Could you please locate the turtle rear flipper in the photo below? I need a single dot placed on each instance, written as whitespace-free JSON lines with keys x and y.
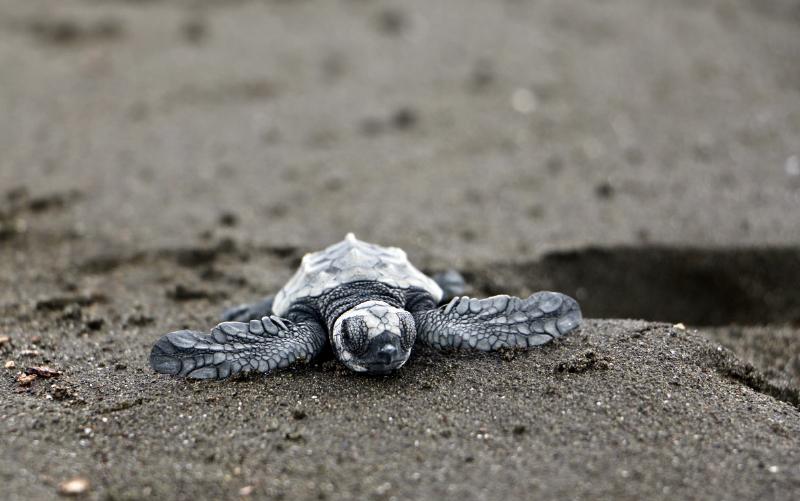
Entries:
{"x":265,"y":345}
{"x":249,"y":311}
{"x":498,"y":322}
{"x":452,"y":284}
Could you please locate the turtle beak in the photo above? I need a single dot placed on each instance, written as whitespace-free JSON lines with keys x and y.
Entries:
{"x":384,"y":354}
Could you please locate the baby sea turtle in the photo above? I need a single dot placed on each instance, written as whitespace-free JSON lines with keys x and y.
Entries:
{"x":371,"y":304}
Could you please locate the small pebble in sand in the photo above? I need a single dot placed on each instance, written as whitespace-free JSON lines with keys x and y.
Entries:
{"x":523,"y":101}
{"x":793,"y":165}
{"x":43,"y":371}
{"x":74,"y":487}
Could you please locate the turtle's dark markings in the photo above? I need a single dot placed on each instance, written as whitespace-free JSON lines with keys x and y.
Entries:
{"x":369,"y":304}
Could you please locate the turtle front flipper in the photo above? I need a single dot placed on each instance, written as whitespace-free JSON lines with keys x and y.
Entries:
{"x":249,"y":311}
{"x":264,"y":345}
{"x":498,"y":322}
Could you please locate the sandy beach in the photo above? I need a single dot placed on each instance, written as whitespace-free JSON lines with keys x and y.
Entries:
{"x":161,"y":160}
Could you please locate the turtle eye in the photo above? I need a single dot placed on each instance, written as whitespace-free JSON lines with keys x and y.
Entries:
{"x":354,"y":335}
{"x":408,"y":331}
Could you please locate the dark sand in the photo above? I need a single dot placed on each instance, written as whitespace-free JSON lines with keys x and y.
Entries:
{"x":160,"y":160}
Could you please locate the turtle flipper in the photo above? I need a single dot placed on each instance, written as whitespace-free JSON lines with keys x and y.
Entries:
{"x":499,"y":321}
{"x":264,"y":345}
{"x":452,"y":284}
{"x":249,"y":311}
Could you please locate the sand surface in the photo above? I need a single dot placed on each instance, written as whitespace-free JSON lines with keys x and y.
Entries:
{"x":162,"y":159}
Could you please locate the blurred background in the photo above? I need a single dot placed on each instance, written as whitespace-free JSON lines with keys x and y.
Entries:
{"x":163,"y":159}
{"x":640,"y":155}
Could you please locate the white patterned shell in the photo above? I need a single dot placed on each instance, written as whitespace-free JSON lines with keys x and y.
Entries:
{"x":350,"y":261}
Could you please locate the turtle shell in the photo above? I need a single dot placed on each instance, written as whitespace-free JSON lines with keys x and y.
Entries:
{"x":351,"y":261}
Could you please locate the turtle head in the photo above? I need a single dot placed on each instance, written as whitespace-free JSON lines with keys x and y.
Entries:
{"x":373,"y":337}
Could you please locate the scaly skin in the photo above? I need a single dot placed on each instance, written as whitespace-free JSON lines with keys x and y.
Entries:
{"x":498,"y":322}
{"x":265,"y":345}
{"x":370,"y":305}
